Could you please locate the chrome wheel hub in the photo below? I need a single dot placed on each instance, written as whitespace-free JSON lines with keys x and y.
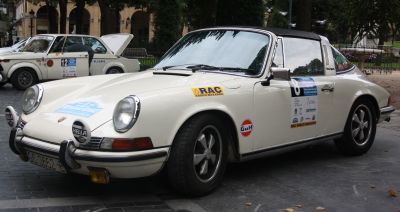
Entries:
{"x":207,"y":153}
{"x":361,"y":125}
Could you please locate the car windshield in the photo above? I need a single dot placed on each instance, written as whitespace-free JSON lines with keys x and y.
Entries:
{"x":230,"y":51}
{"x":38,"y":44}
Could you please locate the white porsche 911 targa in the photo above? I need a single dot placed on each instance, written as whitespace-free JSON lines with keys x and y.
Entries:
{"x":218,"y":95}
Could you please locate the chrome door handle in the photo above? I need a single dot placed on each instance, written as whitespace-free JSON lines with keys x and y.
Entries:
{"x":328,"y":88}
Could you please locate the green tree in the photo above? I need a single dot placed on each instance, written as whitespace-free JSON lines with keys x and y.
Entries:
{"x":167,"y":24}
{"x":240,"y":12}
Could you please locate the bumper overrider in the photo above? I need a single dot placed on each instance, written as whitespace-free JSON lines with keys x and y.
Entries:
{"x":385,"y":113}
{"x":67,"y":157}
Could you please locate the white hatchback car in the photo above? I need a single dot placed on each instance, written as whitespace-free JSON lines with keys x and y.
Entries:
{"x":57,"y":56}
{"x":218,"y":95}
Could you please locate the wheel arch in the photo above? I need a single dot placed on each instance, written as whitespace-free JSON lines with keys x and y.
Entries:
{"x":233,"y":144}
{"x":374,"y":102}
{"x":29,"y":66}
{"x":114,"y":64}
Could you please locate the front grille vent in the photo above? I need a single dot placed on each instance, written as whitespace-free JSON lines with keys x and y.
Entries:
{"x":94,"y":143}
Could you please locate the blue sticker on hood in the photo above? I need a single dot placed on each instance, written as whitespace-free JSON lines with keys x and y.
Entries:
{"x":85,"y":109}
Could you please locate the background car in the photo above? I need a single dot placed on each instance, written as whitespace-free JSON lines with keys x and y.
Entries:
{"x":54,"y":56}
{"x":218,"y":95}
{"x":14,"y":48}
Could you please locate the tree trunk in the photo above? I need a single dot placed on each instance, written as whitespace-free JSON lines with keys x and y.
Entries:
{"x":63,"y":15}
{"x":80,"y":5}
{"x":303,"y":15}
{"x":117,"y":18}
{"x":104,"y":9}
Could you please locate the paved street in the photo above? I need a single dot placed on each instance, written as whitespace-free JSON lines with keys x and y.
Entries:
{"x":302,"y":180}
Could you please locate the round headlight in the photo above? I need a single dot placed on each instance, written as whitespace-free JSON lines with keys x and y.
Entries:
{"x":126,"y":113}
{"x":32,"y":98}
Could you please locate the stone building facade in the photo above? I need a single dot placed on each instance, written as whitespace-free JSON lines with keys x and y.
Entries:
{"x":32,"y":19}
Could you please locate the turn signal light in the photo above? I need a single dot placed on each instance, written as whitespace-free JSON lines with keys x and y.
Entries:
{"x":99,"y":175}
{"x":135,"y":144}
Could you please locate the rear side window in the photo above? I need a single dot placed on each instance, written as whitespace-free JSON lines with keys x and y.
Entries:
{"x":303,"y":57}
{"x":341,"y":62}
{"x":95,"y":44}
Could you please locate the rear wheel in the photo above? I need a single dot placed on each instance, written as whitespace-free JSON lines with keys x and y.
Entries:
{"x":114,"y":70}
{"x":360,"y":129}
{"x":198,"y":156}
{"x":23,"y":79}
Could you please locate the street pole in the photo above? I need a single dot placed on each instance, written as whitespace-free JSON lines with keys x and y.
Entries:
{"x":31,"y":14}
{"x":290,"y":14}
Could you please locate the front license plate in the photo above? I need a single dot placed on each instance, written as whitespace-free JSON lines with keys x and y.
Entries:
{"x":46,"y":162}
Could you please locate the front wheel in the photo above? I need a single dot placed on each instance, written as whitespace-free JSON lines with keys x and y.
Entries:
{"x":23,"y":79}
{"x":198,"y":156}
{"x":360,"y":129}
{"x":2,"y":84}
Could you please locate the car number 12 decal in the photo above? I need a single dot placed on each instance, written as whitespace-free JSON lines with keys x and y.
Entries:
{"x":304,"y":102}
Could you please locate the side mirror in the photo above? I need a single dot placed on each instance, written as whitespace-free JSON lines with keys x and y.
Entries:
{"x":281,"y":73}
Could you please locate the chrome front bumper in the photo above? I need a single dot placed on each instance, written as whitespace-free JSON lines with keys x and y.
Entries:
{"x":385,"y":113}
{"x":118,"y":164}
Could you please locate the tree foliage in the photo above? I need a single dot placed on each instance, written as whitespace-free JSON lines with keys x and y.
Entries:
{"x":167,"y":23}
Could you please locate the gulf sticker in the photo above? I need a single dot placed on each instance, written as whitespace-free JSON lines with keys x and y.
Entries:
{"x":246,"y":128}
{"x":208,"y":91}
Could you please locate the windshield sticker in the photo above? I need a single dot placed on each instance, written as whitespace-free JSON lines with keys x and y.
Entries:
{"x":208,"y":91}
{"x":84,"y":109}
{"x":246,"y":128}
{"x":68,"y":66}
{"x":304,"y":102}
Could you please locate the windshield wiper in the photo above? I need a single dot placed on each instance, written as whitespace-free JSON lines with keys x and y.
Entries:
{"x":230,"y":69}
{"x":203,"y":67}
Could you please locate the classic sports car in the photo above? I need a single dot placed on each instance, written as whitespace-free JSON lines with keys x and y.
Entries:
{"x":218,"y":95}
{"x":58,"y":56}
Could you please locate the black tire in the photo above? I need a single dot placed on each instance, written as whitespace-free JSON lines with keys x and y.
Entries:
{"x":2,"y":84}
{"x":201,"y":177}
{"x":23,"y":79}
{"x":360,"y":129}
{"x":114,"y":70}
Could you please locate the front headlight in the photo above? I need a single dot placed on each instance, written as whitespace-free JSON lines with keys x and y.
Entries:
{"x":126,"y":113}
{"x":32,"y":98}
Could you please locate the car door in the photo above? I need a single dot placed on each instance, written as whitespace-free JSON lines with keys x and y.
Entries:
{"x":100,"y":57}
{"x":288,"y":111}
{"x":63,"y":64}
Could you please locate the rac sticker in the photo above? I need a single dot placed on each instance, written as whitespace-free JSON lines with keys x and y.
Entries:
{"x":246,"y":128}
{"x":208,"y":91}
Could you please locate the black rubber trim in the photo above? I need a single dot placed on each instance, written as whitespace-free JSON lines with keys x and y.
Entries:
{"x":11,"y":141}
{"x":171,"y":73}
{"x":291,"y":144}
{"x":148,"y":156}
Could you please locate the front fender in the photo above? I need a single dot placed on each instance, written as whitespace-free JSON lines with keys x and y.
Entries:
{"x":40,"y":75}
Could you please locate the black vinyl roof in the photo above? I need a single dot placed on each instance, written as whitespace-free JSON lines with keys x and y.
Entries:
{"x":294,"y":33}
{"x":280,"y":32}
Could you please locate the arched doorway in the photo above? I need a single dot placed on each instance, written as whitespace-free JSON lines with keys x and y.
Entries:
{"x":85,"y":22}
{"x":46,"y":20}
{"x":140,"y":28}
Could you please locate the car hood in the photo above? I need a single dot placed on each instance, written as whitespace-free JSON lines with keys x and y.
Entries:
{"x":93,"y":99}
{"x":117,"y":42}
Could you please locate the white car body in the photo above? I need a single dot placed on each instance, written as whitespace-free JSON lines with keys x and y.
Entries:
{"x":48,"y":64}
{"x":257,"y":111}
